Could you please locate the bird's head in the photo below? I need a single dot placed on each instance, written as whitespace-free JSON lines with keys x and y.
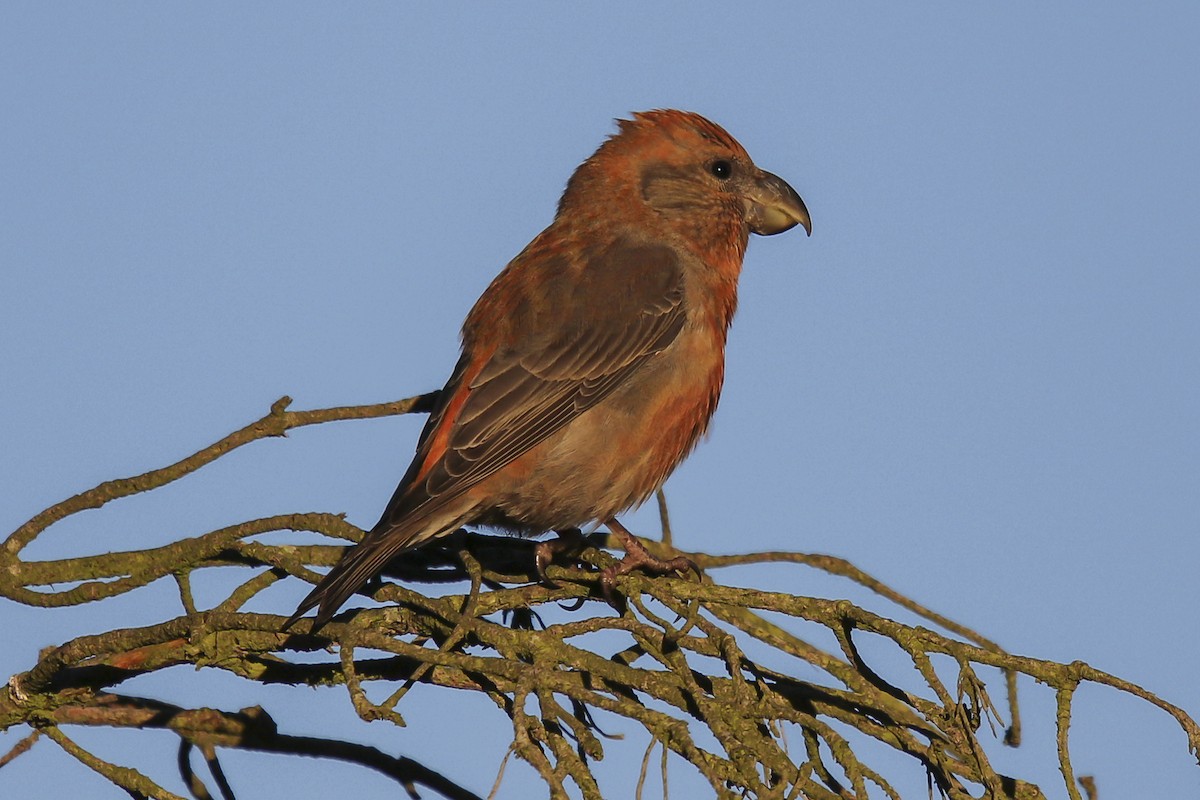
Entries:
{"x":690,"y":171}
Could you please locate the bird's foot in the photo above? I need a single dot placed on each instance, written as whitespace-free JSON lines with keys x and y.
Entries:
{"x":637,"y":557}
{"x":569,"y":544}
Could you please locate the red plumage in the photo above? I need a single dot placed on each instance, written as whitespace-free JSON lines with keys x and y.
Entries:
{"x":593,"y":362}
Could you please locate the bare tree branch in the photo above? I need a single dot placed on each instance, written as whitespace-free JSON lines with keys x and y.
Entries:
{"x":694,"y":656}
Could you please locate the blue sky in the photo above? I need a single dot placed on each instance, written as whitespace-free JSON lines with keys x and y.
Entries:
{"x":978,"y":380}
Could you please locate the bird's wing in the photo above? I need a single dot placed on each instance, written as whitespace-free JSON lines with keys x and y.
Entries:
{"x":583,"y":333}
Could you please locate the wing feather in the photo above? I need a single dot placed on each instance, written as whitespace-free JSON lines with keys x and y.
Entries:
{"x":545,"y":377}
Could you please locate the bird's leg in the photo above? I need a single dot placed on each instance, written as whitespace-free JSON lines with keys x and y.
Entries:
{"x":638,"y":557}
{"x":570,"y":543}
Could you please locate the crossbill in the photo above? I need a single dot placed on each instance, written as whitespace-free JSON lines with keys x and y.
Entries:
{"x":593,"y":362}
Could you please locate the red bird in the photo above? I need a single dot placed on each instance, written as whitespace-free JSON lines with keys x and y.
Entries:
{"x":593,"y":362}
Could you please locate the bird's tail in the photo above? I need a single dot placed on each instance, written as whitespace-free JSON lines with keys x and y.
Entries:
{"x":363,"y":561}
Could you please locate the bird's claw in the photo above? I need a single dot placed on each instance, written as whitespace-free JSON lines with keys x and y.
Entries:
{"x":543,"y":556}
{"x":640,"y":559}
{"x":570,"y":542}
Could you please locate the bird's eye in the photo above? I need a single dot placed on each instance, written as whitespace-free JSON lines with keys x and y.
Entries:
{"x":721,"y":168}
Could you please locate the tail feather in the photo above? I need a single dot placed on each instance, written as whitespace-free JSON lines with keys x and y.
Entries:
{"x":363,"y":561}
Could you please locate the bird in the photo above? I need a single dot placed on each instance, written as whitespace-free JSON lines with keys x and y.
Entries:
{"x":592,"y":364}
